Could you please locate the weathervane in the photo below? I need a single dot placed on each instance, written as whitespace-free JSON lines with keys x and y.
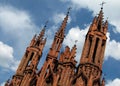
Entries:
{"x":102,"y":4}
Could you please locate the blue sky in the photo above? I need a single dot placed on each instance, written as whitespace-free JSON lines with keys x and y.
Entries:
{"x":21,"y":19}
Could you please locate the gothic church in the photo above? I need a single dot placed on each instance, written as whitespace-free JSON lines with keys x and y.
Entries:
{"x":61,"y":70}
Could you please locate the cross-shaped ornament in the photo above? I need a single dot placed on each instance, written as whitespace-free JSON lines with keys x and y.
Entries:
{"x":102,"y":4}
{"x":69,"y":10}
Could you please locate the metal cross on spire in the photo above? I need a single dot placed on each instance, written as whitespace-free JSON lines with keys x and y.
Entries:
{"x":69,"y":10}
{"x":102,"y":4}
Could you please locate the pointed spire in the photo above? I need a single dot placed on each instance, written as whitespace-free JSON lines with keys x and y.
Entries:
{"x":97,"y":23}
{"x":105,"y":27}
{"x":99,"y":20}
{"x":95,"y":20}
{"x":40,"y":37}
{"x":34,"y":37}
{"x":100,"y":15}
{"x":33,"y":40}
{"x":41,"y":34}
{"x":62,"y":27}
{"x":106,"y":23}
{"x":73,"y":51}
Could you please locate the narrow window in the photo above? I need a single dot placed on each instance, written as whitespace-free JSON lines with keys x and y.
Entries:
{"x":95,"y":49}
{"x":57,"y":41}
{"x":99,"y":27}
{"x":32,"y":54}
{"x":90,"y":44}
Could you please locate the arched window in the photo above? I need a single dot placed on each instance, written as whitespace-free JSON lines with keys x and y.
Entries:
{"x":95,"y":49}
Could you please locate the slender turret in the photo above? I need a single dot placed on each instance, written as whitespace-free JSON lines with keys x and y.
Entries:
{"x":51,"y":58}
{"x":90,"y":67}
{"x":29,"y":61}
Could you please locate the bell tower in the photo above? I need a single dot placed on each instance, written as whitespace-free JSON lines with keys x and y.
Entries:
{"x":90,"y":67}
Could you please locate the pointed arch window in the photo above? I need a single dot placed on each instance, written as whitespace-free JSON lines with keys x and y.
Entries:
{"x":90,"y":44}
{"x":99,"y":26}
{"x":32,"y":54}
{"x":95,"y":49}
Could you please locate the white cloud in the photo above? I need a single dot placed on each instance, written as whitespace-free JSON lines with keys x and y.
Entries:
{"x":74,"y":34}
{"x":7,"y":59}
{"x":2,"y":84}
{"x":59,"y":17}
{"x":18,"y":26}
{"x":6,"y":54}
{"x":14,"y":19}
{"x":113,"y":49}
{"x":115,"y":82}
{"x":111,"y":9}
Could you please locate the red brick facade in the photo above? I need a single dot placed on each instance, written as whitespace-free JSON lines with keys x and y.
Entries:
{"x":63,"y":71}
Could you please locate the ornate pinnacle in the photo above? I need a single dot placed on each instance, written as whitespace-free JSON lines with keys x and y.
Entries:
{"x":73,"y":51}
{"x":42,"y":31}
{"x":62,"y":27}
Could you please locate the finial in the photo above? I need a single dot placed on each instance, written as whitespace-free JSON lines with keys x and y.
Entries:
{"x":69,"y":10}
{"x":102,"y":4}
{"x":45,"y":24}
{"x":76,"y":41}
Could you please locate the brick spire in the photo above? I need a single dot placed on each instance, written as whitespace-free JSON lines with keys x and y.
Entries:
{"x":35,"y":53}
{"x":59,"y":36}
{"x":42,"y":32}
{"x":93,"y":51}
{"x":30,"y":60}
{"x":100,"y":20}
{"x":51,"y":59}
{"x":61,"y":30}
{"x":37,"y":39}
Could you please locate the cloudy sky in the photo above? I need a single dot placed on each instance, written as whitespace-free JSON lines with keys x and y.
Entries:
{"x":21,"y":19}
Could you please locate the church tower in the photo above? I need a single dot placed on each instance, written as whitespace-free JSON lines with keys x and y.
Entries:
{"x":51,"y":59}
{"x":28,"y":65}
{"x":60,"y":69}
{"x":90,"y":68}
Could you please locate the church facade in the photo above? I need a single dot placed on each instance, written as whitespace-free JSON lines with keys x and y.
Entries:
{"x":61,"y":70}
